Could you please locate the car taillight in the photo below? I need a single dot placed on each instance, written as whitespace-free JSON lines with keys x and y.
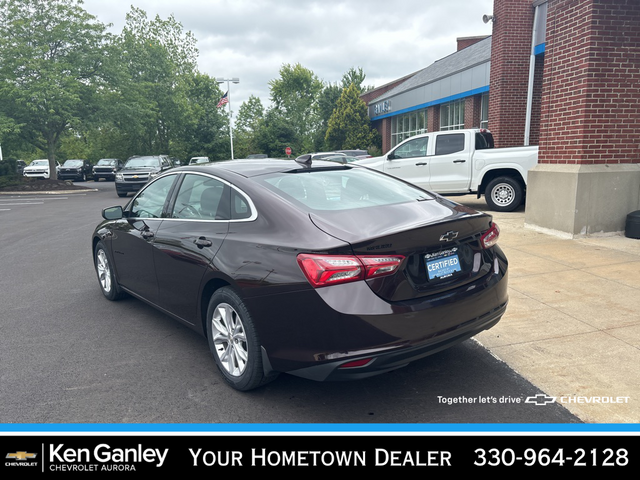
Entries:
{"x":490,"y":237}
{"x":377,"y":266}
{"x":324,"y":270}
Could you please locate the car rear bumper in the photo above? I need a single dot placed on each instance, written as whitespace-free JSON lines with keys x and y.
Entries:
{"x":377,"y":363}
{"x":336,"y":325}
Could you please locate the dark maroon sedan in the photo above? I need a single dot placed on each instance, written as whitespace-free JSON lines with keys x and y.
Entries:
{"x":317,"y":269}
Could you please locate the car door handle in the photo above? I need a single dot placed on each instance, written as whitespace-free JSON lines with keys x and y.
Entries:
{"x":459,"y":161}
{"x":147,"y":234}
{"x":421,"y":164}
{"x":203,"y":242}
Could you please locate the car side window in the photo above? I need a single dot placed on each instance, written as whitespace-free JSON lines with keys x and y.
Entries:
{"x":413,"y":148}
{"x":450,"y":143}
{"x":150,"y":202}
{"x":201,"y":197}
{"x":240,"y":208}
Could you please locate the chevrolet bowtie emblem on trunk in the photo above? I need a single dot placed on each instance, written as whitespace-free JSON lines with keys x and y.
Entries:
{"x":447,"y":237}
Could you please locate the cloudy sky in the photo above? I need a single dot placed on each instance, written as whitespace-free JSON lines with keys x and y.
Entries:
{"x":252,"y":39}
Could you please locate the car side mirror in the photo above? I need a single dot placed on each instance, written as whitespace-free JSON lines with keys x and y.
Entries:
{"x":391,"y":156}
{"x":113,"y":213}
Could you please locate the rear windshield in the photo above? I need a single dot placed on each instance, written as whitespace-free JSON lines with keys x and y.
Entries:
{"x":341,"y":189}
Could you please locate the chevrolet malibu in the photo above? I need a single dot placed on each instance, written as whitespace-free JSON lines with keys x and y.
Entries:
{"x":317,"y":269}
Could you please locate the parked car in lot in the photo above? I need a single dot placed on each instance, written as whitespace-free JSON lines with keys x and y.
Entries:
{"x":341,"y":158}
{"x":354,"y":153}
{"x":258,"y":155}
{"x":313,"y":268}
{"x":20,"y":164}
{"x":39,"y":169}
{"x":198,"y":160}
{"x":138,"y":171}
{"x":459,"y":162}
{"x":77,"y":170}
{"x":107,"y":168}
{"x":324,"y":155}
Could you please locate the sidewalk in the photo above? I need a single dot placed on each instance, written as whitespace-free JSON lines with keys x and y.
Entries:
{"x":572,"y":326}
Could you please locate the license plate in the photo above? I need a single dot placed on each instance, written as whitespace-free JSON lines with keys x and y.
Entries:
{"x":443,"y":265}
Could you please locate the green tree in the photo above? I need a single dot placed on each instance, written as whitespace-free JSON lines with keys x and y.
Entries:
{"x":51,"y":69}
{"x":355,"y":77}
{"x":349,"y":126}
{"x":153,"y":107}
{"x":209,"y":135}
{"x":327,"y":101}
{"x":245,"y":137}
{"x":295,"y":97}
{"x":275,"y":133}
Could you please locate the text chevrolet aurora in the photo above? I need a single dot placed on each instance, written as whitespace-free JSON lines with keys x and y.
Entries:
{"x":317,"y":269}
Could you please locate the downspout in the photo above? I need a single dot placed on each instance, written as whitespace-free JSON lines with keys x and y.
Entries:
{"x":532,"y":70}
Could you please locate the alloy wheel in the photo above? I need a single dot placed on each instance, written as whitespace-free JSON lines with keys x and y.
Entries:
{"x":229,"y":339}
{"x":104,"y":272}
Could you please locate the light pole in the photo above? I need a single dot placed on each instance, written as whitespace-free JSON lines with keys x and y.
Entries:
{"x":233,"y":80}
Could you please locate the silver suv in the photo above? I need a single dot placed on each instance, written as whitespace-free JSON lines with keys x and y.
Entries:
{"x":138,"y":171}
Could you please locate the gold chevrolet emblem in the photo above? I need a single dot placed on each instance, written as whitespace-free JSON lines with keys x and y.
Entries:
{"x":135,"y":176}
{"x":21,"y":455}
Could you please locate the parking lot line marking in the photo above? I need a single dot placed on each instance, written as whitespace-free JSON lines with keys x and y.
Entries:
{"x":18,"y":197}
{"x":33,"y":203}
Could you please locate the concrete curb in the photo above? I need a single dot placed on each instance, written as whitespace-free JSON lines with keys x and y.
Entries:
{"x":51,"y":192}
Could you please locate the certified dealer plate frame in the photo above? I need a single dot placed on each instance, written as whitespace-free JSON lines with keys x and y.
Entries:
{"x":442,"y":265}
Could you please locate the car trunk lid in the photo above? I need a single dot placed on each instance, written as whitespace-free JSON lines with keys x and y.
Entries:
{"x":440,"y":241}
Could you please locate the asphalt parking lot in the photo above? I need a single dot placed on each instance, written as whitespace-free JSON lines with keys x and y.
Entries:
{"x":68,"y":355}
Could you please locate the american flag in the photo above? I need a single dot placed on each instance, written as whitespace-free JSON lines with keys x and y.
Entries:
{"x":223,"y":100}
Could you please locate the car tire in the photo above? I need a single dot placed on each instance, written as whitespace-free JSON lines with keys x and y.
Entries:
{"x":120,"y":194}
{"x":106,"y":275}
{"x":233,"y":341}
{"x":504,"y":194}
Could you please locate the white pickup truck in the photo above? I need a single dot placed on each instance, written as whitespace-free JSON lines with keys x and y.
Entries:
{"x":458,"y":162}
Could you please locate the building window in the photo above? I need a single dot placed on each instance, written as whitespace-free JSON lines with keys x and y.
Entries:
{"x":408,"y":125}
{"x":484,"y":111}
{"x":452,"y":115}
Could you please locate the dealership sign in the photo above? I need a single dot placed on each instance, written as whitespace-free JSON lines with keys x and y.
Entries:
{"x":382,"y":107}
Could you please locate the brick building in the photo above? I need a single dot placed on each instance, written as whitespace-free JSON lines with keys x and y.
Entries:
{"x":561,"y":74}
{"x":452,"y":93}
